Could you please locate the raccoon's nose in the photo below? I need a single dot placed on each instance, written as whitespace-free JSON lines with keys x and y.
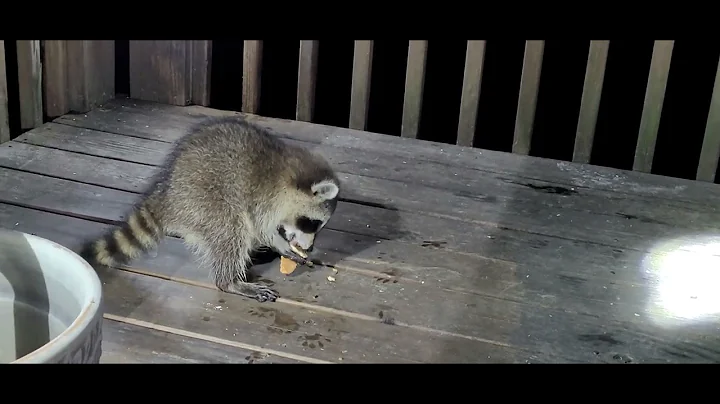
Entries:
{"x":312,"y":247}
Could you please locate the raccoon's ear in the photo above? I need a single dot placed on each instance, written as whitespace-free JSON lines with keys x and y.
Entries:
{"x":325,"y":189}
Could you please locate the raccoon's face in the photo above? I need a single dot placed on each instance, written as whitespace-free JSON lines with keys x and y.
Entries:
{"x":307,"y":215}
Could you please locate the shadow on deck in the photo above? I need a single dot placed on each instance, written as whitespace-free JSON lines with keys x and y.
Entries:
{"x":442,"y":253}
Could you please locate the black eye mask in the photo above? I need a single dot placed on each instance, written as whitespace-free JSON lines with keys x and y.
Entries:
{"x":307,"y":225}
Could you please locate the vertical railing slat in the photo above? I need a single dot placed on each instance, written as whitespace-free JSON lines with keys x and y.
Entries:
{"x":472,"y":78}
{"x":360,"y":95}
{"x":200,"y":66}
{"x":55,"y":78}
{"x":307,"y":76}
{"x":160,"y":71}
{"x":4,"y":119}
{"x":652,"y":107}
{"x":590,"y":101}
{"x":252,"y":66}
{"x":30,"y":83}
{"x":527,"y":99}
{"x":414,"y":85}
{"x":710,"y":153}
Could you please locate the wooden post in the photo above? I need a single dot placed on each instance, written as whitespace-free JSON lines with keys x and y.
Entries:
{"x":360,"y":93}
{"x":474,"y":60}
{"x":170,"y":72}
{"x":252,"y":67}
{"x":652,"y":107}
{"x":710,"y":152}
{"x":527,"y":100}
{"x":77,"y":75}
{"x":590,"y":101}
{"x":307,"y":78}
{"x":4,"y":120}
{"x":200,"y":73}
{"x":30,"y":84}
{"x":414,"y":86}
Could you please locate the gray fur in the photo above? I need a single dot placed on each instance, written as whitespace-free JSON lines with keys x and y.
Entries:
{"x":227,"y":189}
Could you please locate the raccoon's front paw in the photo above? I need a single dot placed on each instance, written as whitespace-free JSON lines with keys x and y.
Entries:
{"x":256,"y":291}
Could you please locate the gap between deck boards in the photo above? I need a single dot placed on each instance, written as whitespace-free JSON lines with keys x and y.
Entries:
{"x":115,"y":222}
{"x":110,"y":222}
{"x":317,"y":307}
{"x":614,"y":222}
{"x":210,"y":338}
{"x":628,"y":183}
{"x":625,"y":244}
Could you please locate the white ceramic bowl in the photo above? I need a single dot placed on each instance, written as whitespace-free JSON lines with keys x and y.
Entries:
{"x":50,"y":303}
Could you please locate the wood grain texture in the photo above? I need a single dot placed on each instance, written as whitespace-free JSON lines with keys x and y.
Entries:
{"x":414,"y":87}
{"x":307,"y":79}
{"x":30,"y":84}
{"x":360,"y":92}
{"x":90,"y":74}
{"x":55,"y":76}
{"x":590,"y":101}
{"x":710,"y":152}
{"x":472,"y":79}
{"x":4,"y":117}
{"x":500,"y":250}
{"x":128,"y":343}
{"x":148,"y":120}
{"x":252,"y":69}
{"x":527,"y":99}
{"x":652,"y":106}
{"x":290,"y":329}
{"x":400,"y":298}
{"x":201,"y":68}
{"x":161,"y":71}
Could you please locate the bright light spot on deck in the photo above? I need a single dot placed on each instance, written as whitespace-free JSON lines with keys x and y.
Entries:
{"x":688,"y":280}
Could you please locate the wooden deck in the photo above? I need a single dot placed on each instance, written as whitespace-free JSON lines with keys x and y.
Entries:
{"x":443,"y":253}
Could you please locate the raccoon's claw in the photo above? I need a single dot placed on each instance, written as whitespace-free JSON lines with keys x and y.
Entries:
{"x":264,"y":294}
{"x":256,"y":291}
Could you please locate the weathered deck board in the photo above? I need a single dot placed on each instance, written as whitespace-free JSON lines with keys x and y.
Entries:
{"x":531,"y":321}
{"x":147,"y":298}
{"x":128,"y":343}
{"x":476,"y":267}
{"x":167,"y":123}
{"x":619,"y":222}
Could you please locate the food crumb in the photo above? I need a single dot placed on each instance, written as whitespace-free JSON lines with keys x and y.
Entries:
{"x":334,"y":270}
{"x":331,"y":278}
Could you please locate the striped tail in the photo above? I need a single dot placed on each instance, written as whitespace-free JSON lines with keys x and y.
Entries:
{"x":139,"y":234}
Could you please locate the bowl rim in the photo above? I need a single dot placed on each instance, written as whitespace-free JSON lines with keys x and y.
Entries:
{"x":82,"y":322}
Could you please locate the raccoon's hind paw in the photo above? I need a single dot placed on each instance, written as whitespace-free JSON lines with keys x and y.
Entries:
{"x":256,"y":291}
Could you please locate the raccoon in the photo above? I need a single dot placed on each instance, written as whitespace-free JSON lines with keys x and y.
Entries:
{"x":228,"y":189}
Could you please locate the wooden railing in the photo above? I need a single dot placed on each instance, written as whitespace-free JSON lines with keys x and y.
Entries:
{"x":77,"y":75}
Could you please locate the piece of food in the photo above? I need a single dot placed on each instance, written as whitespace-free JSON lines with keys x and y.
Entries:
{"x":287,"y":266}
{"x":298,"y":251}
